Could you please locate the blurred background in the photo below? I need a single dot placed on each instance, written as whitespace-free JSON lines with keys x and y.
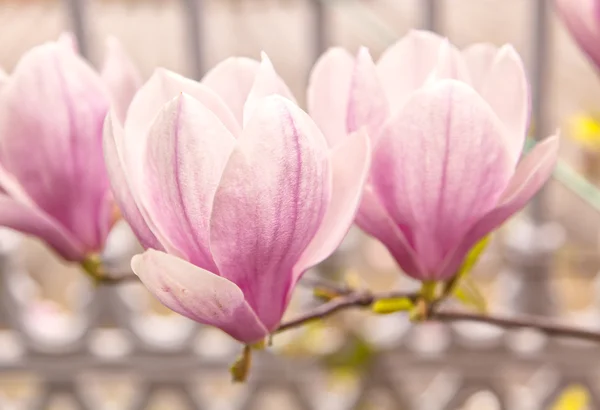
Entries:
{"x":66,"y":345}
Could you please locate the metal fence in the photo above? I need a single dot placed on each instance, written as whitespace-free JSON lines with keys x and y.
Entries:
{"x":113,"y":354}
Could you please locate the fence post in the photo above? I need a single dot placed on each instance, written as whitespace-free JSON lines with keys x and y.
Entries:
{"x":320,"y":28}
{"x":193,"y":14}
{"x":431,"y":15}
{"x":534,"y":242}
{"x":78,"y":21}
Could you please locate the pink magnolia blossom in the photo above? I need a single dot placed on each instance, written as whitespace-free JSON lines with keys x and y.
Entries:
{"x":53,"y":179}
{"x":582,"y":18}
{"x":448,"y":129}
{"x":233,"y":190}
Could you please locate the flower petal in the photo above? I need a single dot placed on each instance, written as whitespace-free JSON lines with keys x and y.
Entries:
{"x":267,"y":82}
{"x":531,"y":174}
{"x":449,"y":65}
{"x":198,"y":294}
{"x":374,"y":220}
{"x":69,"y":41}
{"x":188,"y":147}
{"x":581,"y":18}
{"x":56,"y":103}
{"x":161,"y":88}
{"x":328,"y":93}
{"x":350,"y":162}
{"x":506,"y":91}
{"x":232,"y":80}
{"x":479,"y":59}
{"x":406,"y":65}
{"x":113,"y":143}
{"x":32,"y":221}
{"x":367,"y":103}
{"x":270,"y":203}
{"x":440,"y":166}
{"x":3,"y":77}
{"x":121,"y":77}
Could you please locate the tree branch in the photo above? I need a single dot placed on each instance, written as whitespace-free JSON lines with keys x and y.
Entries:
{"x":350,"y":300}
{"x":365,"y":299}
{"x":541,"y":324}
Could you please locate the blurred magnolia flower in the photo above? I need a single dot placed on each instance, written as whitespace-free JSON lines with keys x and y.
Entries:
{"x":448,"y":129}
{"x":582,"y":18}
{"x":233,"y":190}
{"x":52,"y":175}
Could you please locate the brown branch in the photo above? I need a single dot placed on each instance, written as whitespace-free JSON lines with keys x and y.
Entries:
{"x":352,"y":300}
{"x":541,"y":324}
{"x":366,"y":299}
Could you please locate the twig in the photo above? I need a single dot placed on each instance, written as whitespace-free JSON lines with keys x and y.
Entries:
{"x":352,"y":300}
{"x":365,"y":299}
{"x":543,"y":325}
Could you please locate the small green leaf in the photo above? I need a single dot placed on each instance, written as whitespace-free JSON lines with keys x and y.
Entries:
{"x":473,"y":256}
{"x":469,"y":295}
{"x":392,"y":305}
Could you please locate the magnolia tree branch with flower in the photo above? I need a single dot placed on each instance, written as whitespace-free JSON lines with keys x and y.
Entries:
{"x":235,"y":192}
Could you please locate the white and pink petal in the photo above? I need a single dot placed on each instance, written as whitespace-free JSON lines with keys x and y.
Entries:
{"x":440,"y":166}
{"x":479,"y":59}
{"x":350,"y":162}
{"x":199,"y":295}
{"x":123,"y":195}
{"x":33,"y":221}
{"x":270,"y":203}
{"x":232,"y":79}
{"x":368,"y":107}
{"x":530,"y":176}
{"x":188,"y":147}
{"x":329,"y":91}
{"x":374,"y":220}
{"x":55,"y":102}
{"x":161,"y":88}
{"x":266,"y":82}
{"x":406,"y":65}
{"x":506,"y":90}
{"x":120,"y":76}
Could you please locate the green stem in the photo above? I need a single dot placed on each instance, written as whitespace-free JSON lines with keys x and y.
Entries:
{"x":241,"y":368}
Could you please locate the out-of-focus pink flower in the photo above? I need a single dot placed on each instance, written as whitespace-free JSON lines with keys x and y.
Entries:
{"x":233,"y":190}
{"x":52,"y":174}
{"x":582,"y":18}
{"x":448,"y":129}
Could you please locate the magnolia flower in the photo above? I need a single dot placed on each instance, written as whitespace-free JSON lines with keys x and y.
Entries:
{"x":52,"y":175}
{"x":582,"y":18}
{"x":234,"y":194}
{"x":448,"y":129}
